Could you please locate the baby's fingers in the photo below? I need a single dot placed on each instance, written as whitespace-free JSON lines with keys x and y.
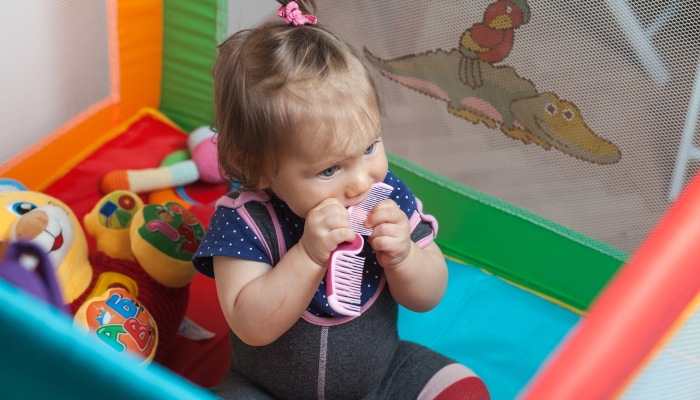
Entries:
{"x":329,"y":207}
{"x":391,"y":230}
{"x":391,"y":251}
{"x":338,"y":236}
{"x":386,"y":211}
{"x":388,"y":246}
{"x":329,"y":214}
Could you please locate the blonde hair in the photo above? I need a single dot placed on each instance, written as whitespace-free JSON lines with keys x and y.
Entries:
{"x":278,"y":86}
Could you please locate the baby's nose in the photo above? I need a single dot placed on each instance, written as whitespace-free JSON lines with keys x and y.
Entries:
{"x":359,"y":185}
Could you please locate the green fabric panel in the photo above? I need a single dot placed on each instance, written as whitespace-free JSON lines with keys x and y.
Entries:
{"x":44,"y":357}
{"x":190,"y":33}
{"x":510,"y":242}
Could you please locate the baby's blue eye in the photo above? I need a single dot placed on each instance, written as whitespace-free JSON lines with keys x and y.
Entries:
{"x":328,"y":172}
{"x":369,"y":150}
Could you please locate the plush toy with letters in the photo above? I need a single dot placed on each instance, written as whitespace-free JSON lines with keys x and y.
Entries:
{"x":132,"y":292}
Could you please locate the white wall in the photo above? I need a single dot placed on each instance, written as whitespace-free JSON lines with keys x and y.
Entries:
{"x":53,"y":65}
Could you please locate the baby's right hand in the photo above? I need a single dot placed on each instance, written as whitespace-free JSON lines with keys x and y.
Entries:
{"x":327,"y":226}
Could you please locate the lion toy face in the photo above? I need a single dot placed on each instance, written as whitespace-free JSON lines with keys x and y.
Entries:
{"x":53,"y":227}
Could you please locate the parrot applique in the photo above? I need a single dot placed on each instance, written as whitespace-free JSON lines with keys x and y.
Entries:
{"x":492,"y":39}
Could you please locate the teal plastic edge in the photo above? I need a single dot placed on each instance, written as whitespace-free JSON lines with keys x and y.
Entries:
{"x":44,"y":356}
{"x":510,"y":242}
{"x":191,"y":32}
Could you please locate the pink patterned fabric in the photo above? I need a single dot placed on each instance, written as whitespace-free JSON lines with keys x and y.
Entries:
{"x":293,"y":15}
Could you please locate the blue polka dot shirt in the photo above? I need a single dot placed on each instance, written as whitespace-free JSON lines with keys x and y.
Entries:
{"x":230,"y":236}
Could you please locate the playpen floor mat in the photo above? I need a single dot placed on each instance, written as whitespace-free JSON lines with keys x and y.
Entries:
{"x":500,"y":331}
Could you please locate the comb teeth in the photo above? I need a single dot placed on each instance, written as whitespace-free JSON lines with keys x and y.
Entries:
{"x":345,"y":266}
{"x":358,"y":212}
{"x":348,"y":281}
{"x":344,"y":278}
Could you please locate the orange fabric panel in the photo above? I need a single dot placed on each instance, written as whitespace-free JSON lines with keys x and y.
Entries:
{"x":38,"y":168}
{"x":140,"y":56}
{"x":135,"y":30}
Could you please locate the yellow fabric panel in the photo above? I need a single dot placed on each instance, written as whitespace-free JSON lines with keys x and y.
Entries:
{"x":136,"y":43}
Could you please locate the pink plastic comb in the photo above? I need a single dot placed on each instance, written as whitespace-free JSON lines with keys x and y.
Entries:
{"x":358,"y":213}
{"x":344,"y":275}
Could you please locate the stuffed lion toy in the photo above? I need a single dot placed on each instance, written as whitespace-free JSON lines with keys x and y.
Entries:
{"x":132,"y":292}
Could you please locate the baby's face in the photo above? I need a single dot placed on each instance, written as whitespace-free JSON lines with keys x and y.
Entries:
{"x":345,"y":173}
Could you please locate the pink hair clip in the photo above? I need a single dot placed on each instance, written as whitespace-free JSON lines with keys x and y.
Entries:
{"x":293,"y":15}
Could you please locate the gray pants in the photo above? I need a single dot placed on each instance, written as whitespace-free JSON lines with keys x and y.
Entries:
{"x":360,"y":359}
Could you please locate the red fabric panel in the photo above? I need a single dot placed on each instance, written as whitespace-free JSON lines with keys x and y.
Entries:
{"x":206,"y":193}
{"x":204,"y":362}
{"x":144,"y":145}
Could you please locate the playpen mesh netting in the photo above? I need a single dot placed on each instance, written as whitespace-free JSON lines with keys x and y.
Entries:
{"x":674,"y":370}
{"x":606,"y":93}
{"x":54,"y":64}
{"x":625,"y":69}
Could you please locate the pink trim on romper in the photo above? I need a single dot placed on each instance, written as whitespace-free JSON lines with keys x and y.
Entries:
{"x":261,"y":197}
{"x":237,"y":204}
{"x":322,"y":321}
{"x":417,"y":217}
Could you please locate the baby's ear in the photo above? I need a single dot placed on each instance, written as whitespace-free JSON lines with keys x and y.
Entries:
{"x":265,"y":181}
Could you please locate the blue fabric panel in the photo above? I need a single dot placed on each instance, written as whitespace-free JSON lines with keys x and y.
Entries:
{"x":43,"y":357}
{"x":498,"y":330}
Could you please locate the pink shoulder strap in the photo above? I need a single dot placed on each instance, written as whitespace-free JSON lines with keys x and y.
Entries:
{"x":263,"y":199}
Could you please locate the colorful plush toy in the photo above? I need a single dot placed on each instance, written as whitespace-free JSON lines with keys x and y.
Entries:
{"x":202,"y":166}
{"x":188,"y":177}
{"x":132,"y":292}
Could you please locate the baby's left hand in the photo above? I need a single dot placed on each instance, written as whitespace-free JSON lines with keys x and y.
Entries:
{"x":391,"y":235}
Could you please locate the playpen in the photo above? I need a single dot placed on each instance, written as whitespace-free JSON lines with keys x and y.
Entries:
{"x":583,"y":122}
